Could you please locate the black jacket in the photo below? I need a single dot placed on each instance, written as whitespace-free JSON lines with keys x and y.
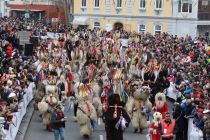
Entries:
{"x":110,"y":122}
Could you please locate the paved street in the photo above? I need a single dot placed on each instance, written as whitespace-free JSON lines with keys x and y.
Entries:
{"x":36,"y":130}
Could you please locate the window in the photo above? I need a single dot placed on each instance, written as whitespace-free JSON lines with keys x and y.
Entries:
{"x":185,"y":6}
{"x":96,"y":25}
{"x":158,"y":29}
{"x":119,"y":3}
{"x":142,"y":4}
{"x":96,"y":3}
{"x":158,"y":4}
{"x":205,"y":2}
{"x":142,"y":28}
{"x":84,"y":3}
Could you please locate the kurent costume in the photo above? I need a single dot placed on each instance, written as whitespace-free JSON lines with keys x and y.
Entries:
{"x":86,"y":114}
{"x":46,"y":106}
{"x":138,"y":107}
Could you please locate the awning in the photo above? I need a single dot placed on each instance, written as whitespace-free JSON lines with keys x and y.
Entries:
{"x":25,"y":10}
{"x":80,"y":21}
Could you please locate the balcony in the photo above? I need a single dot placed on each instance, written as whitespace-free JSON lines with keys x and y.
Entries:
{"x":204,"y":16}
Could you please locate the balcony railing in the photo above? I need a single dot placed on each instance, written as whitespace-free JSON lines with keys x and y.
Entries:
{"x":204,"y":16}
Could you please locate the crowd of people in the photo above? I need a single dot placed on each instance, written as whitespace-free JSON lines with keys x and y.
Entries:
{"x":132,"y":71}
{"x":15,"y":71}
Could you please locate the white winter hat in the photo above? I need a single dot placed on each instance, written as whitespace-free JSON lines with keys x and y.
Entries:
{"x":12,"y":94}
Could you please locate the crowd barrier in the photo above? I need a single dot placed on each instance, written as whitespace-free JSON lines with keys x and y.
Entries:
{"x":18,"y":116}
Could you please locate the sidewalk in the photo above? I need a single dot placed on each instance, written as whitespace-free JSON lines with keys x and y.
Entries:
{"x":25,"y":122}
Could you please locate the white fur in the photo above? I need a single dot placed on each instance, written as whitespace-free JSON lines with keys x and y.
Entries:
{"x":43,"y":106}
{"x":160,"y":104}
{"x":157,"y":115}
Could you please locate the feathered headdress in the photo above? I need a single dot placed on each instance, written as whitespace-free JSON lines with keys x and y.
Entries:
{"x":117,"y":74}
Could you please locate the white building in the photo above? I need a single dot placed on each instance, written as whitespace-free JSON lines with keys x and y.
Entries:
{"x":185,"y":12}
{"x":2,"y":8}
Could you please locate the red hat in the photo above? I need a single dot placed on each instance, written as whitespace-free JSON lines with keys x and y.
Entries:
{"x":200,"y":110}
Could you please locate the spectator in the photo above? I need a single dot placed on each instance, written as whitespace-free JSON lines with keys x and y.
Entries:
{"x":58,"y":123}
{"x":181,"y":123}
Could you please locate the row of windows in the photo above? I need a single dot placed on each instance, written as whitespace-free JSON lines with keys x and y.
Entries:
{"x":183,"y":6}
{"x":141,"y":28}
{"x":118,"y":3}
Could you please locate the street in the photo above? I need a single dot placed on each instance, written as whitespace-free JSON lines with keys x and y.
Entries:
{"x":36,"y":130}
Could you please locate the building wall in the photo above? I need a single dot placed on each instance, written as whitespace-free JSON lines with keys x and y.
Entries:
{"x":2,"y":8}
{"x":185,"y":15}
{"x":131,"y":16}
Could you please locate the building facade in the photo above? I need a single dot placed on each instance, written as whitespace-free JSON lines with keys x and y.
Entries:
{"x":203,"y":24}
{"x":153,"y":16}
{"x":2,"y":8}
{"x":36,"y":9}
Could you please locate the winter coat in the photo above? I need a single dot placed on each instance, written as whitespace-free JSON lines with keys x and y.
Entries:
{"x":181,"y":121}
{"x":188,"y":91}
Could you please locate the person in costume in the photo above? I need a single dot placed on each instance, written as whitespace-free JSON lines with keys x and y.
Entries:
{"x":138,"y":106}
{"x":155,"y":127}
{"x":114,"y":125}
{"x":86,"y":115}
{"x":161,"y":104}
{"x":118,"y":84}
{"x":46,"y":107}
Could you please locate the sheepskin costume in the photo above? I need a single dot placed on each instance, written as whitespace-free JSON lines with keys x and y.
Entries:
{"x":95,"y":98}
{"x":52,"y":89}
{"x":155,"y":126}
{"x":86,"y":113}
{"x":39,"y":93}
{"x":161,"y":103}
{"x":137,"y":107}
{"x":46,"y":107}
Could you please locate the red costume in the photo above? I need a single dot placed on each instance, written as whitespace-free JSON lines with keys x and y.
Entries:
{"x":70,"y":77}
{"x":9,"y":50}
{"x":163,"y":109}
{"x":154,"y":132}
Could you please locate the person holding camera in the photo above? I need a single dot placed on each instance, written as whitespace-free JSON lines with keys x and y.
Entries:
{"x":58,"y":123}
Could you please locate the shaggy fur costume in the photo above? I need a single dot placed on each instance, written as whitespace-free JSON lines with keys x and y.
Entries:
{"x":46,"y":106}
{"x":85,"y":114}
{"x":53,"y":89}
{"x":135,"y":108}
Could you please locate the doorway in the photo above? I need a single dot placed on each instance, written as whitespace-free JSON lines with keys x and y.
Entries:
{"x":118,"y":26}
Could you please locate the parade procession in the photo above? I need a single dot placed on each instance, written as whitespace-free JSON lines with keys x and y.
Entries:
{"x":151,"y":87}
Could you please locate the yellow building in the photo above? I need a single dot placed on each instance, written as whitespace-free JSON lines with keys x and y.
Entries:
{"x":132,"y":15}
